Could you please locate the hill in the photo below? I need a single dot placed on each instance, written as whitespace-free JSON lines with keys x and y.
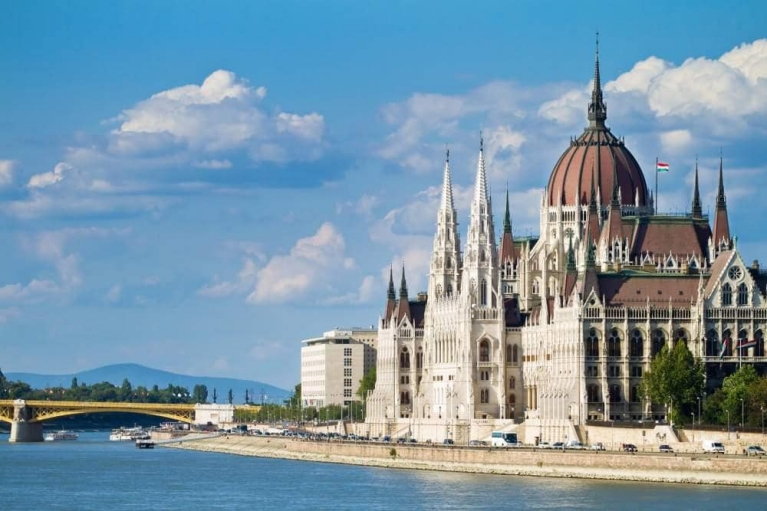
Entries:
{"x":141,"y":375}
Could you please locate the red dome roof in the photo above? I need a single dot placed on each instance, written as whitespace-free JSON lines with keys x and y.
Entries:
{"x":596,"y":154}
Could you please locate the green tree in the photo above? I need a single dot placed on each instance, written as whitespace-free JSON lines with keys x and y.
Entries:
{"x":675,"y":379}
{"x":367,"y":383}
{"x":126,"y":390}
{"x":73,"y":386}
{"x":737,"y":390}
{"x":200,"y":394}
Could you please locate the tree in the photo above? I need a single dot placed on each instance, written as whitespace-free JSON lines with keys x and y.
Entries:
{"x":675,"y":379}
{"x":126,"y":390}
{"x":738,"y":389}
{"x":74,"y":385}
{"x":367,"y":383}
{"x":200,"y":394}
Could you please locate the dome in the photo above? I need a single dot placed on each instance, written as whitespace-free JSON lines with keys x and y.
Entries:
{"x":599,"y":155}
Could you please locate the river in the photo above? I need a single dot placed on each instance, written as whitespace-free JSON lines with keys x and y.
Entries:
{"x":94,"y":474}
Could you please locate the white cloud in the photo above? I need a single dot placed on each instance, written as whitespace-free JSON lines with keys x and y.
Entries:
{"x":363,"y":206}
{"x":114,"y":294}
{"x":307,"y":268}
{"x":34,"y":290}
{"x":675,"y":141}
{"x":49,"y":178}
{"x":368,"y":289}
{"x":6,"y":172}
{"x":213,"y":164}
{"x":245,"y":280}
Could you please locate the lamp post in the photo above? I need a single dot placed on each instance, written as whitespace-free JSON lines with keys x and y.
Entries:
{"x":693,"y":426}
{"x":698,"y":397}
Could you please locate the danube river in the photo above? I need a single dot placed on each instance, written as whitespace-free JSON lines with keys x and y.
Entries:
{"x":95,"y":474}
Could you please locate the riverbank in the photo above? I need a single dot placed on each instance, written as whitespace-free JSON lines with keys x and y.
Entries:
{"x":656,"y":468}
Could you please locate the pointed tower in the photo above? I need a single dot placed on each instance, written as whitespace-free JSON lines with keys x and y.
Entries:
{"x":391,"y":297}
{"x":403,"y":305}
{"x":480,"y":265}
{"x":592,"y":217}
{"x":721,"y":234}
{"x":445,"y":266}
{"x":613,"y":229}
{"x":697,"y":208}
{"x":597,"y":107}
{"x":508,"y":256}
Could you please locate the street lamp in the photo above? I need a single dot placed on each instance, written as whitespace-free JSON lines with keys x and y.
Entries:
{"x":698,"y":397}
{"x":693,"y":426}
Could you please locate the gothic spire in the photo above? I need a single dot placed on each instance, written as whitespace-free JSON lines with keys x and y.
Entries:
{"x":391,"y":295}
{"x":593,"y":198}
{"x":403,"y":285}
{"x":447,"y":186}
{"x":721,"y":201}
{"x":697,"y":209}
{"x":480,"y":186}
{"x":721,"y":234}
{"x":597,"y":108}
{"x":507,"y":215}
{"x":570,"y":257}
{"x":616,"y":199}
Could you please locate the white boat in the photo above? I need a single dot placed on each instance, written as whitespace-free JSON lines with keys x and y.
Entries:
{"x":127,"y":434}
{"x":63,"y":434}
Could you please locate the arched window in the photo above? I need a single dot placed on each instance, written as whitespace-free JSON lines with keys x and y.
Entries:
{"x":637,"y":344}
{"x":404,"y":359}
{"x":726,"y":295}
{"x":658,"y":341}
{"x":484,"y":351}
{"x":484,"y":396}
{"x":483,"y":292}
{"x":614,"y":344}
{"x":404,"y":398}
{"x":508,"y":353}
{"x":743,"y":294}
{"x":635,"y":395}
{"x":514,"y":354}
{"x":759,"y":348}
{"x":536,"y":287}
{"x":592,"y":392}
{"x":512,"y":399}
{"x":615,"y":393}
{"x":712,"y":344}
{"x":727,"y":343}
{"x":592,"y":344}
{"x":742,"y":339}
{"x":439,"y":290}
{"x":512,"y":382}
{"x":419,"y":359}
{"x":681,"y":336}
{"x":449,"y":290}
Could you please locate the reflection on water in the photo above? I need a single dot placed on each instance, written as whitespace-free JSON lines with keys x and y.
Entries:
{"x":93,"y":473}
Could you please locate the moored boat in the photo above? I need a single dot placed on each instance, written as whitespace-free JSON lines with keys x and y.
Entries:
{"x":63,"y":434}
{"x":128,"y":434}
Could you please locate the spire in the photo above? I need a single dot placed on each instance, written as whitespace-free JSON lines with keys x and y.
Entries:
{"x":480,"y":186}
{"x":721,"y":201}
{"x":570,"y":257}
{"x":616,"y":199}
{"x":403,"y":285}
{"x":507,"y":215}
{"x":593,"y":198}
{"x":597,"y":108}
{"x":697,"y":209}
{"x":391,"y":295}
{"x":447,"y":185}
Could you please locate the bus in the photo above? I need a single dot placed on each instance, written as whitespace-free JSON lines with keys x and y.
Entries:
{"x":503,"y":439}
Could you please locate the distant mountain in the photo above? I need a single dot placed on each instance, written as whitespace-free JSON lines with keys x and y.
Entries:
{"x":141,"y":375}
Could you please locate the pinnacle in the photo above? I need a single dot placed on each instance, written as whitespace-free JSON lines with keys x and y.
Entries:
{"x":447,"y":187}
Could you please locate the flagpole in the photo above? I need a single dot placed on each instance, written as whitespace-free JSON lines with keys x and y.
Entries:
{"x":656,"y":185}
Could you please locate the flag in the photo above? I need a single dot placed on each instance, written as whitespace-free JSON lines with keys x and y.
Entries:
{"x":724,"y":348}
{"x":744,"y":343}
{"x":661,"y":167}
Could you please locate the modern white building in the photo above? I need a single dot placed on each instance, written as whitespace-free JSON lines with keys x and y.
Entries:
{"x":333,"y":365}
{"x":212,"y":413}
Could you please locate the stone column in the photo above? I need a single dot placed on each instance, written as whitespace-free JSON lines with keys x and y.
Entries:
{"x":22,"y":427}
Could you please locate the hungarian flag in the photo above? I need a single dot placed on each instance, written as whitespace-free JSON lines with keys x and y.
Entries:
{"x":661,"y":167}
{"x":746,"y":343}
{"x":724,"y":347}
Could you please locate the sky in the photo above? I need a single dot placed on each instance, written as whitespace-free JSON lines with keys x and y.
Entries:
{"x":198,"y":186}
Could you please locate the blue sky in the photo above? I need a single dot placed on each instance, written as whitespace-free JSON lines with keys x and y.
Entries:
{"x":197,"y":186}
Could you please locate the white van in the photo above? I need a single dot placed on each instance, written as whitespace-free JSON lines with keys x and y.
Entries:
{"x":503,"y":439}
{"x":712,"y":446}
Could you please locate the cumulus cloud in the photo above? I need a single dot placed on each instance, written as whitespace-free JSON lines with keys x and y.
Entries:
{"x":245,"y":280}
{"x":6,"y":172}
{"x":35,"y":289}
{"x":369,"y":288}
{"x":49,"y":178}
{"x":675,"y":141}
{"x":307,"y":267}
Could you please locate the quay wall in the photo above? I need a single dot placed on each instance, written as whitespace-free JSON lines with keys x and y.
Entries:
{"x":683,"y":468}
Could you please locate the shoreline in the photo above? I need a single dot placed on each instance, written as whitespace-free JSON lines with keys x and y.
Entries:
{"x":569,"y":465}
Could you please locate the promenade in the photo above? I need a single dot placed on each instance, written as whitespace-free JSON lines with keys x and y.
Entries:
{"x":642,"y":467}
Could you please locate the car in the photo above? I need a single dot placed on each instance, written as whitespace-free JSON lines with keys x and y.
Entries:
{"x":599,"y":446}
{"x":477,"y":443}
{"x":629,"y":448}
{"x":574,"y":445}
{"x":755,"y":450}
{"x":387,"y":438}
{"x":544,"y":445}
{"x":401,"y":440}
{"x":558,"y":445}
{"x":665,"y":448}
{"x":448,"y":441}
{"x":413,"y":441}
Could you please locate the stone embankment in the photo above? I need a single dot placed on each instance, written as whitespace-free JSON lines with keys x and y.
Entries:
{"x":658,"y":468}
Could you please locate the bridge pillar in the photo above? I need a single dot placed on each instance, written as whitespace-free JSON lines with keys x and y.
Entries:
{"x":22,"y":427}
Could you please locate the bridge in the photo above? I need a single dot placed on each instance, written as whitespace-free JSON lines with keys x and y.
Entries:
{"x":26,"y":417}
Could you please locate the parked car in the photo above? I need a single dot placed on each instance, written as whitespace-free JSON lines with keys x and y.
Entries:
{"x":544,"y":445}
{"x":599,"y":446}
{"x":575,"y":445}
{"x":629,"y":448}
{"x":755,"y":450}
{"x":558,"y":445}
{"x":665,"y":448}
{"x":477,"y":443}
{"x":387,"y":438}
{"x":448,"y":441}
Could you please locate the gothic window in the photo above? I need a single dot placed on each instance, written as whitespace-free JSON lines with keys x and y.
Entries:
{"x":483,"y":292}
{"x":514,"y":354}
{"x":508,"y":353}
{"x":484,"y":396}
{"x":419,"y":359}
{"x":636,"y":371}
{"x":742,"y":339}
{"x":512,"y":382}
{"x":681,"y":336}
{"x":439,"y":290}
{"x":614,"y":371}
{"x":404,"y":359}
{"x":658,"y":341}
{"x":592,"y":344}
{"x":484,"y":351}
{"x":536,"y":287}
{"x":404,"y":398}
{"x":592,"y":392}
{"x":637,"y":344}
{"x":615,"y":394}
{"x":759,"y":348}
{"x":742,"y":294}
{"x":449,"y":290}
{"x":448,"y":262}
{"x":735,"y":273}
{"x":726,"y":295}
{"x":484,"y":375}
{"x":512,"y":399}
{"x":614,"y":344}
{"x":508,"y":271}
{"x":727,"y":343}
{"x":712,"y":344}
{"x":635,"y":395}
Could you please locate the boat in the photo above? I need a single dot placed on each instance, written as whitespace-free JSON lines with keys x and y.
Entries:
{"x":145,"y":443}
{"x":63,"y":434}
{"x":128,"y":434}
